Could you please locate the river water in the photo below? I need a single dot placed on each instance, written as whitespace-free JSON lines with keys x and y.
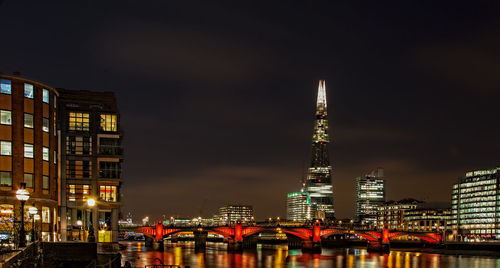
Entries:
{"x":216,"y":255}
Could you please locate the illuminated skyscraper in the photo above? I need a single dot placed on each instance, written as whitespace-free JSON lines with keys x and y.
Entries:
{"x":298,"y":207}
{"x":475,"y":205}
{"x":319,"y":178}
{"x":370,"y":193}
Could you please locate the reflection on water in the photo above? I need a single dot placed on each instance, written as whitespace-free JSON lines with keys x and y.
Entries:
{"x":216,"y":255}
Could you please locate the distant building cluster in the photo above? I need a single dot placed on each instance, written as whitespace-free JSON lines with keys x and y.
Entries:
{"x":475,"y":202}
{"x":63,"y":147}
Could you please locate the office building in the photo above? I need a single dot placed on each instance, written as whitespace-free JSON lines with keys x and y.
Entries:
{"x":29,"y":152}
{"x":370,"y":194}
{"x":476,"y":205}
{"x":298,"y":207}
{"x":424,"y":219}
{"x":231,"y":213}
{"x":91,"y":158}
{"x":391,"y":214}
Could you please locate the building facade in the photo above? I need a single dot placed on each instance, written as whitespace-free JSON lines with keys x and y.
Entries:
{"x":298,"y":207}
{"x":91,"y":159}
{"x":318,"y":183}
{"x":231,"y":213}
{"x":427,"y":219}
{"x":370,"y":194}
{"x":29,"y":152}
{"x":476,"y":205}
{"x":391,"y":214}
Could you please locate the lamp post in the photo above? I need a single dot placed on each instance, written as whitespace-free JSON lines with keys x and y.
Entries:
{"x":37,"y":218}
{"x":22,"y":195}
{"x":79,"y":224}
{"x":33,"y":211}
{"x":91,"y":204}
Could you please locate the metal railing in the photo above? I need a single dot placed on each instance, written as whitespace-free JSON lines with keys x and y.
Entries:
{"x":110,"y":173}
{"x":163,"y":266}
{"x":9,"y":233}
{"x":110,"y":150}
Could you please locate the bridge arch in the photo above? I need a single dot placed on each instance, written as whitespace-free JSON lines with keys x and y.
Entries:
{"x":301,"y":233}
{"x":433,"y":238}
{"x":368,"y":235}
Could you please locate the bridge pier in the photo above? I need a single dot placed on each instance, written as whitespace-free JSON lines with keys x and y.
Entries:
{"x":158,"y":245}
{"x":310,"y":246}
{"x":200,"y":239}
{"x":377,"y":247}
{"x":233,"y":245}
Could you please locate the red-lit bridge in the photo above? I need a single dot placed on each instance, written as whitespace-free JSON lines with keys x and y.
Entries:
{"x":311,"y":236}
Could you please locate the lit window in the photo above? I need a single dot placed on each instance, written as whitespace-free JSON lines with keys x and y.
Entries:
{"x":85,"y":191}
{"x":5,"y":148}
{"x":107,"y":193}
{"x":108,"y":122}
{"x":5,"y":86}
{"x":45,"y":215}
{"x":5,"y":178}
{"x":78,"y":169}
{"x":28,"y":179}
{"x":5,"y":117}
{"x":28,"y":91}
{"x":79,"y":121}
{"x":28,"y":120}
{"x":45,"y":95}
{"x":45,"y":154}
{"x":45,"y":182}
{"x":28,"y":150}
{"x":45,"y":126}
{"x":79,"y":145}
{"x":77,"y":192}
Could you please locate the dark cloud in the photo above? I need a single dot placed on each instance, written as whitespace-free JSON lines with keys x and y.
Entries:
{"x":217,"y":100}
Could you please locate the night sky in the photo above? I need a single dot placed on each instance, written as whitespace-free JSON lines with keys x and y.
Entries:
{"x":217,"y":100}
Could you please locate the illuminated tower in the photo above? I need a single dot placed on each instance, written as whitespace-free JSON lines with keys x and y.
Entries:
{"x":319,"y":176}
{"x":370,"y":194}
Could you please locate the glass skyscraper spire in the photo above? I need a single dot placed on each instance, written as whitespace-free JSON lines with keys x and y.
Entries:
{"x":318,"y":183}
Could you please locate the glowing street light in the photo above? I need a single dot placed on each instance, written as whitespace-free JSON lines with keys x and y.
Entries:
{"x":33,"y":211}
{"x":22,"y":195}
{"x":91,"y":204}
{"x":79,"y":223}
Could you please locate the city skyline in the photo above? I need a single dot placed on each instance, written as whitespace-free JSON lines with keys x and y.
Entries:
{"x":229,"y":121}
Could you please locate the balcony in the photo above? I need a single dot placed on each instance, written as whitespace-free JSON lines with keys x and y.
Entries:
{"x":110,"y":150}
{"x":110,"y":174}
{"x":110,"y":199}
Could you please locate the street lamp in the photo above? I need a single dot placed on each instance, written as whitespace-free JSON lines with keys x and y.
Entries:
{"x":33,"y":211}
{"x":91,"y":204}
{"x":79,"y":224}
{"x":22,"y":195}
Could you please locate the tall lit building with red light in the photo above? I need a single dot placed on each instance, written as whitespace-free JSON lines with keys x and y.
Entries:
{"x":318,"y":182}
